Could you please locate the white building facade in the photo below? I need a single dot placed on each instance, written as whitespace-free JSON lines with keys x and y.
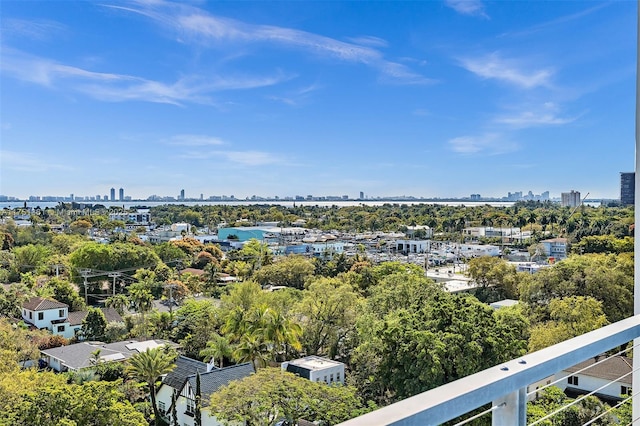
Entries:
{"x":316,"y":369}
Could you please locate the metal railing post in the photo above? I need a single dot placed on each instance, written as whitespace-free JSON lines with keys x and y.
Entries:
{"x":511,"y":409}
{"x":636,"y":279}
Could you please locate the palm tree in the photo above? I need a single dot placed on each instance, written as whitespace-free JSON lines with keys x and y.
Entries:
{"x":147,"y":367}
{"x":218,"y":347}
{"x":252,"y":348}
{"x":282,"y":332}
{"x":119,"y":302}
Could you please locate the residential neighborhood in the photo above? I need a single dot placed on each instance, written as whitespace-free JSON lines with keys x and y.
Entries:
{"x":222,"y":323}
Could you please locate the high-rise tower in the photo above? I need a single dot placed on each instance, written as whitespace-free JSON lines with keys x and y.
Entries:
{"x":627,"y":188}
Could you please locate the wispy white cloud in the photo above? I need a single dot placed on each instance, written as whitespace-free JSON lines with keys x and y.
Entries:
{"x":532,"y":119}
{"x":32,"y":29}
{"x":488,"y":144}
{"x":511,"y":71}
{"x":563,"y":20}
{"x":122,"y":87}
{"x":243,"y":158}
{"x":195,"y":140}
{"x":468,"y":7}
{"x":29,"y":162}
{"x":369,"y":41}
{"x":296,"y":97}
{"x":194,"y":24}
{"x":546,"y":115}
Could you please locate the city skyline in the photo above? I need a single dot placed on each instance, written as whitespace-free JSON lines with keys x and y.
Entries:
{"x":424,"y":99}
{"x":184,"y":196}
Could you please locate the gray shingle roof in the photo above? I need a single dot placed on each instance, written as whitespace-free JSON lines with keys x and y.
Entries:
{"x":110,"y":314}
{"x":611,"y":369}
{"x":185,"y":367}
{"x":212,"y":381}
{"x":78,"y":355}
{"x":42,"y":304}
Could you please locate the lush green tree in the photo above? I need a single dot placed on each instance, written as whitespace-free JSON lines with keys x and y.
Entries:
{"x":570,"y":317}
{"x":170,"y":252}
{"x":65,"y":292}
{"x":328,"y":313}
{"x":80,"y":226}
{"x":414,"y":336}
{"x":30,"y":257}
{"x":17,"y":344}
{"x":552,"y":400}
{"x":31,"y":397}
{"x":272,"y":394}
{"x":290,"y":271}
{"x":605,"y":277}
{"x":496,"y":275}
{"x":94,"y":324}
{"x":254,"y":253}
{"x":147,"y":367}
{"x":12,"y":298}
{"x":112,"y":257}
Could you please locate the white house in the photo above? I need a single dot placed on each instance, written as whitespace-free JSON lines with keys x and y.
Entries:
{"x":612,"y":374}
{"x":54,"y":316}
{"x":182,"y":380}
{"x":413,"y":246}
{"x":316,"y":369}
{"x":48,"y":314}
{"x":555,"y":248}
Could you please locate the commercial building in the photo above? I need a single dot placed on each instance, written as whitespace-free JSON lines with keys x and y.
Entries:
{"x":627,"y":188}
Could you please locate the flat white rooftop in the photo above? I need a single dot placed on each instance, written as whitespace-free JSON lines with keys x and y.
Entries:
{"x":315,"y":363}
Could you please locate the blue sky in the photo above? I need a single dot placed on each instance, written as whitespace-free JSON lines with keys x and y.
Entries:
{"x":422,"y":98}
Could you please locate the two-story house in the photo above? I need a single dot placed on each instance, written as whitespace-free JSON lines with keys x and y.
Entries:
{"x":182,"y":380}
{"x":54,"y":316}
{"x":49,"y":314}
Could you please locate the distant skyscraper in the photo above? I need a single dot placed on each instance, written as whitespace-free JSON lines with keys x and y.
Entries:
{"x":627,"y":188}
{"x":121,"y":194}
{"x":361,"y":195}
{"x":113,"y":194}
{"x":182,"y":194}
{"x":571,"y":199}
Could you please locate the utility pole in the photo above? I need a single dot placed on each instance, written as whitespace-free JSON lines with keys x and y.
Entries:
{"x":171,"y":287}
{"x":114,"y":275}
{"x":85,"y":274}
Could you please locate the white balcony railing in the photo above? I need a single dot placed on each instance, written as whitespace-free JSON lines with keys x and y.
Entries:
{"x":504,"y":386}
